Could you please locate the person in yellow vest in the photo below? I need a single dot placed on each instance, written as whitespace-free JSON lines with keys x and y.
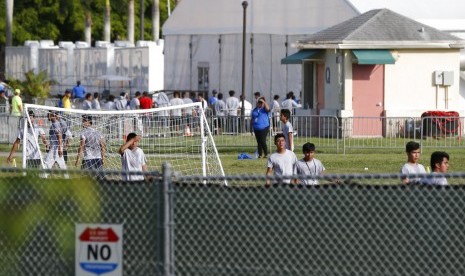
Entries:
{"x":16,"y":104}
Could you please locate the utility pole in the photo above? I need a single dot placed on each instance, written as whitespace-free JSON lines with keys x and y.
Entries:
{"x":244,"y":23}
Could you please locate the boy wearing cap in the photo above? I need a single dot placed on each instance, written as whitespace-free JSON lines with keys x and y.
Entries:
{"x":309,"y":165}
{"x":16,"y":104}
{"x":32,"y":149}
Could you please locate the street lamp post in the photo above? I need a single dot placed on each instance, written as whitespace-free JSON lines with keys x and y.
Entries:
{"x":244,"y":6}
{"x":141,"y":23}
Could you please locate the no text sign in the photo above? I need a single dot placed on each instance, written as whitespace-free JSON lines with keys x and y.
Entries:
{"x":99,"y":249}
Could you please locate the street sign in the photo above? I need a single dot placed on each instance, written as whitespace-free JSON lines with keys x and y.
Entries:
{"x":99,"y":249}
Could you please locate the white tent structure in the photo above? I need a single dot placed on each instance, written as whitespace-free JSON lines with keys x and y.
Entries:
{"x":203,"y":38}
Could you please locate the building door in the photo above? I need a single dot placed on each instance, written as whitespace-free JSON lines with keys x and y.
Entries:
{"x":203,"y":69}
{"x":368,"y":99}
{"x":309,"y":87}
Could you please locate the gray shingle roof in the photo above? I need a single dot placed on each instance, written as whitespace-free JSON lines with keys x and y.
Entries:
{"x":381,"y":26}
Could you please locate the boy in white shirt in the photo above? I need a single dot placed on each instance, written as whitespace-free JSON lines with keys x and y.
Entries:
{"x":288,"y":130}
{"x":133,"y":158}
{"x":309,"y":165}
{"x":33,"y":153}
{"x":412,"y":166}
{"x":439,"y":164}
{"x":282,"y":162}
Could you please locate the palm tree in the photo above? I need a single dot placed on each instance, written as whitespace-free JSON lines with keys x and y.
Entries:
{"x":156,"y":20}
{"x":34,"y":85}
{"x":9,"y":22}
{"x":88,"y":21}
{"x":106,"y":22}
{"x":130,"y":26}
{"x":88,"y":28}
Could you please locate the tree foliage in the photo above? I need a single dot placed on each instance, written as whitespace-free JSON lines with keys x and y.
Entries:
{"x":63,"y":20}
{"x":34,"y":85}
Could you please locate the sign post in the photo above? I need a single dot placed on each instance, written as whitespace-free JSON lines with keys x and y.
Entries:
{"x":99,"y":249}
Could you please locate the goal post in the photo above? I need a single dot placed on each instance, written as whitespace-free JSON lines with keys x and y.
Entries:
{"x":178,"y":135}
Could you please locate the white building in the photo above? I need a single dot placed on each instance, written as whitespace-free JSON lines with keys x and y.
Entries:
{"x":203,"y":38}
{"x":107,"y":66}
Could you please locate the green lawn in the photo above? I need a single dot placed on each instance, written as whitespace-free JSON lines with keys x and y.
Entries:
{"x":376,"y":160}
{"x":389,"y":161}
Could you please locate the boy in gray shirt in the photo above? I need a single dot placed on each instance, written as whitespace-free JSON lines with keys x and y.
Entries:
{"x":283,"y":161}
{"x":91,"y":145}
{"x":309,"y":165}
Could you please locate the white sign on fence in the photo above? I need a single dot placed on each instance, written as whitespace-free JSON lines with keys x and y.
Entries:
{"x":99,"y":249}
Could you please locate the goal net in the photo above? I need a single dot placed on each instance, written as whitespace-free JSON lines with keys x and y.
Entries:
{"x":179,"y":135}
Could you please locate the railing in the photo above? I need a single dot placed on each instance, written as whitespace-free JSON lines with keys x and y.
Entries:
{"x":4,"y":109}
{"x":330,"y":133}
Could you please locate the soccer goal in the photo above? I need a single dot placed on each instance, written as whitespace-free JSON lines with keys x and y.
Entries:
{"x":179,"y":135}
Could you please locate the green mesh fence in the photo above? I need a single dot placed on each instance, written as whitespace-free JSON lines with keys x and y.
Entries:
{"x":349,"y":229}
{"x":365,"y":225}
{"x":38,"y":217}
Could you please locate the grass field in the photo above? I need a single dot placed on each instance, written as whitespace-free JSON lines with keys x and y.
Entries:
{"x":376,"y":160}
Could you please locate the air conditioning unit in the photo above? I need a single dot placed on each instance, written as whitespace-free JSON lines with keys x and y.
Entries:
{"x":46,"y":44}
{"x":102,"y":44}
{"x":66,"y":44}
{"x":82,"y":44}
{"x":123,"y":43}
{"x":31,"y":43}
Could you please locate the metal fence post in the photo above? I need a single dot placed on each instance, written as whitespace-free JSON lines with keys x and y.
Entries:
{"x":167,"y":222}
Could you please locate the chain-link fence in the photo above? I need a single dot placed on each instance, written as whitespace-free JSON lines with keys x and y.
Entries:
{"x":38,"y":217}
{"x":172,"y":225}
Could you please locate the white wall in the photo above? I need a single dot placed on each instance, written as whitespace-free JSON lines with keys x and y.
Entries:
{"x":333,"y":89}
{"x":223,"y":53}
{"x":409,"y":89}
{"x":19,"y":60}
{"x":347,"y":110}
{"x":156,"y":74}
{"x":144,"y":65}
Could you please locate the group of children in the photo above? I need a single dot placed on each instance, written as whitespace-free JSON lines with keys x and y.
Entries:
{"x":284,"y":163}
{"x":91,"y":148}
{"x":439,"y":163}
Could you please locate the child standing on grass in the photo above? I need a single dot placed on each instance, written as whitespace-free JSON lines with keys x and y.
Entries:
{"x":412,"y":166}
{"x":33,"y":153}
{"x":287,"y":128}
{"x":55,"y":153}
{"x":440,"y":164}
{"x":309,"y":165}
{"x":133,"y":158}
{"x":283,"y":161}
